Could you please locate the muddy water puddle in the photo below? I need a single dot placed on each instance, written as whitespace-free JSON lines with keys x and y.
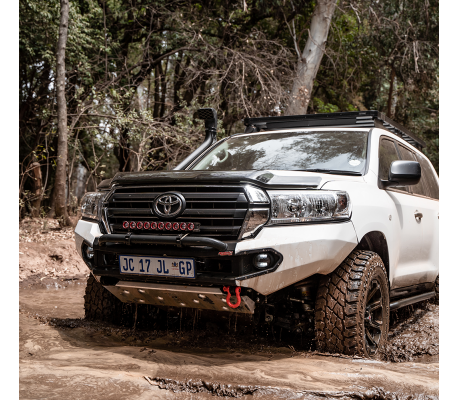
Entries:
{"x":63,"y":356}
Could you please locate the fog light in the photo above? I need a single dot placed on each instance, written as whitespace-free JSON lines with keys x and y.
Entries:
{"x":263,"y":260}
{"x":89,"y":252}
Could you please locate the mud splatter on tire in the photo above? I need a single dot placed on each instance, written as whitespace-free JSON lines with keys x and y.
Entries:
{"x":100,"y":304}
{"x":340,"y":304}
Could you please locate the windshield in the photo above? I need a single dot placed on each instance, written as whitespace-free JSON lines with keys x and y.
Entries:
{"x":343,"y":151}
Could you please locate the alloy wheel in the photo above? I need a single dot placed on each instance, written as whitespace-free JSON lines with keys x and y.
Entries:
{"x":373,"y":317}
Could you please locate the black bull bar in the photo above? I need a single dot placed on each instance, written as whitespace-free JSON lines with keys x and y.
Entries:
{"x":179,"y":240}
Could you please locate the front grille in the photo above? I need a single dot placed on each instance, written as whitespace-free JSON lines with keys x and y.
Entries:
{"x":220,"y":210}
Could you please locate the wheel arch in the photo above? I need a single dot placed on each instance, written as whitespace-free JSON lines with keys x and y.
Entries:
{"x":376,"y":241}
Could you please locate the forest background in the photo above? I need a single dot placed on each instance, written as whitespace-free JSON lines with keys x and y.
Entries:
{"x":137,"y":71}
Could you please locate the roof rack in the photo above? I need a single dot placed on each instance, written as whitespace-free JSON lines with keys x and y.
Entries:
{"x":352,"y":119}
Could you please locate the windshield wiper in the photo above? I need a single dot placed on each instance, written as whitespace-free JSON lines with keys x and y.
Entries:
{"x":330,"y":171}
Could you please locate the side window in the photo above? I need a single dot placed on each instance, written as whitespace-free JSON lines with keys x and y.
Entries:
{"x":387,"y":154}
{"x":420,"y":187}
{"x":430,"y":177}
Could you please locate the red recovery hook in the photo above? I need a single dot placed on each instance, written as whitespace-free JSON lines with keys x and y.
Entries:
{"x":228,"y":298}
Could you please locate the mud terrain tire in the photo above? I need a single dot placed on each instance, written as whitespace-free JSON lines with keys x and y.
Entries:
{"x":344,"y":322}
{"x":100,"y":304}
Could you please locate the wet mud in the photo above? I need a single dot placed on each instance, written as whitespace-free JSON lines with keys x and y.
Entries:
{"x":221,"y":390}
{"x":414,"y":335}
{"x":64,"y":356}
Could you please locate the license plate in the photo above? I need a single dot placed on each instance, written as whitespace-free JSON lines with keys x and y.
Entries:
{"x":159,"y":266}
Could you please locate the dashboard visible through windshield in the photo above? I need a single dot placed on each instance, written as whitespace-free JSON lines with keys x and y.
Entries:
{"x":319,"y":151}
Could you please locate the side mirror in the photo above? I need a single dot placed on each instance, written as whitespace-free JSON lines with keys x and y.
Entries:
{"x":403,"y":173}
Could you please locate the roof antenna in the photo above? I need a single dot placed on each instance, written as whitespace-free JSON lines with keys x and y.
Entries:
{"x":211,"y":121}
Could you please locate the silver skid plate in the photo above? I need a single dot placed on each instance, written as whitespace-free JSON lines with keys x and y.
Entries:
{"x":178,"y":296}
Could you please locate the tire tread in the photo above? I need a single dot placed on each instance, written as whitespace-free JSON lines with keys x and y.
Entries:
{"x":338,"y":314}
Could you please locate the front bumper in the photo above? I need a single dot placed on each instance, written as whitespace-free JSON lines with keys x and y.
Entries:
{"x":213,"y":266}
{"x":300,"y":251}
{"x":307,"y":249}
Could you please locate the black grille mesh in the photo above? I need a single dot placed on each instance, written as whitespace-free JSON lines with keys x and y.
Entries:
{"x":220,"y":210}
{"x":206,"y":113}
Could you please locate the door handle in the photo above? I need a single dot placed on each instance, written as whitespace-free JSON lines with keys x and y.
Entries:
{"x":418,"y":215}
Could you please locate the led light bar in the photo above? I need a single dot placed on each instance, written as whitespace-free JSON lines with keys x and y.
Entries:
{"x":160,"y":226}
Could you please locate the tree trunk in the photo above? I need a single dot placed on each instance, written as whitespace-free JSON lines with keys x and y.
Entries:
{"x":61,"y":173}
{"x":163,"y":87}
{"x":308,"y":64}
{"x":157,"y":82}
{"x":390,"y":94}
{"x":37,"y":189}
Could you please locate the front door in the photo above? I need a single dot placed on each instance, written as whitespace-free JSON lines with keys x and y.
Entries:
{"x":412,"y":260}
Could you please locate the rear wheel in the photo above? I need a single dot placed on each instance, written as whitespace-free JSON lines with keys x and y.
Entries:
{"x":352,"y":307}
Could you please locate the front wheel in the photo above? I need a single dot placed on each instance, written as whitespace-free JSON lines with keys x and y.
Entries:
{"x":100,"y":304}
{"x":352,"y":309}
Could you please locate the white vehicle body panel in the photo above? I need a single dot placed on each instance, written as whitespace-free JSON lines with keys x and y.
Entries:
{"x":85,"y":231}
{"x":371,"y":211}
{"x":418,"y":243}
{"x":430,"y":234}
{"x":307,"y":249}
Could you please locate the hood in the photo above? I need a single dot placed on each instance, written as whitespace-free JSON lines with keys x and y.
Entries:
{"x":267,"y":179}
{"x":104,"y":185}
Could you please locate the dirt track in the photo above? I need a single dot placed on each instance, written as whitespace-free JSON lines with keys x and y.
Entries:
{"x":62,"y":356}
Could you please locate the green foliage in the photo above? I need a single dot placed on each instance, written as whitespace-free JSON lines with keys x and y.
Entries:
{"x":375,"y":45}
{"x":138,"y":71}
{"x":324,"y":108}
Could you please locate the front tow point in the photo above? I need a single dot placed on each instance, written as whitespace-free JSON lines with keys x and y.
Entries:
{"x":228,"y":297}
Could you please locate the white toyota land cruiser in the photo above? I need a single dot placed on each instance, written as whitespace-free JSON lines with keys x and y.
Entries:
{"x":319,"y":224}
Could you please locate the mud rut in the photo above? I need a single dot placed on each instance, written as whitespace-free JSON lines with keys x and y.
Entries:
{"x":63,"y":356}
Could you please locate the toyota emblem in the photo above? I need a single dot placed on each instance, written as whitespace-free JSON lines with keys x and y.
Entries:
{"x":169,"y":205}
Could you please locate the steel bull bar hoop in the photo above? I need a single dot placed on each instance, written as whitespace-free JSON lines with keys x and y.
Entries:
{"x":178,"y":240}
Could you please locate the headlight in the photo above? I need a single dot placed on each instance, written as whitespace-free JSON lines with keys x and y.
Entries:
{"x":308,"y":205}
{"x":91,"y":205}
